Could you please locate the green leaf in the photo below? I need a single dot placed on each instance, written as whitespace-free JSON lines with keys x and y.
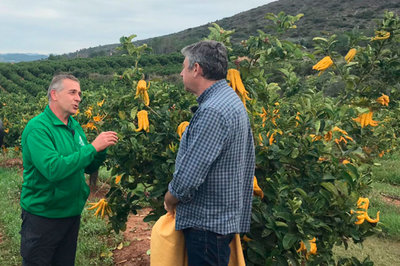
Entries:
{"x":288,"y":240}
{"x":320,"y":39}
{"x":295,"y":153}
{"x":281,"y":224}
{"x":134,"y":112}
{"x":330,"y":187}
{"x":122,"y":115}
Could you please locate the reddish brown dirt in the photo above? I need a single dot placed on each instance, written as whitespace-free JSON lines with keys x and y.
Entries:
{"x":9,"y":163}
{"x":138,"y":234}
{"x":1,"y":238}
{"x":391,"y":200}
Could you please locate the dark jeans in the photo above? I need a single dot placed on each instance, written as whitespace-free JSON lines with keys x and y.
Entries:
{"x":206,"y":247}
{"x":46,"y":241}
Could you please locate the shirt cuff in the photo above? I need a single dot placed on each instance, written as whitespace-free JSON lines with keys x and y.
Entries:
{"x":181,"y":198}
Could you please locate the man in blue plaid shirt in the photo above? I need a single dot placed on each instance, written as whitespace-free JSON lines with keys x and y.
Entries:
{"x":212,"y":186}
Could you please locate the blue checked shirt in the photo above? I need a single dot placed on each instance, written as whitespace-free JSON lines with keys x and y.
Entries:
{"x":214,"y":169}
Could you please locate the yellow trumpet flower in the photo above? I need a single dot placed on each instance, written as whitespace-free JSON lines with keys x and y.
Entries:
{"x":275,"y":114}
{"x":247,"y":239}
{"x":366,"y":119}
{"x":256,"y":189}
{"x":102,"y":207}
{"x":313,"y":247}
{"x":88,"y":112}
{"x":100,"y":104}
{"x":143,"y":121}
{"x":363,"y":203}
{"x":384,"y":100}
{"x":340,"y":130}
{"x":118,"y":179}
{"x":90,"y":126}
{"x":141,"y":91}
{"x":381,"y":35}
{"x":237,"y":85}
{"x":350,"y":55}
{"x":181,"y":128}
{"x":328,"y":136}
{"x":97,"y":118}
{"x":323,"y":64}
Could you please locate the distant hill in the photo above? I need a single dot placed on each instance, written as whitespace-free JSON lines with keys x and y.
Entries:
{"x":319,"y":17}
{"x":15,"y":58}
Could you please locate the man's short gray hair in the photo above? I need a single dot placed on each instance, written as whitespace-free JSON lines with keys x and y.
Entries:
{"x":57,"y":83}
{"x":211,"y":56}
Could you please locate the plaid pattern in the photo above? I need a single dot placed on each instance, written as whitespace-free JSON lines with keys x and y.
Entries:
{"x":215,"y":164}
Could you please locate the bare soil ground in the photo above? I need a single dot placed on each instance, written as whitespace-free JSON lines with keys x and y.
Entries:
{"x":136,"y":236}
{"x":391,"y":200}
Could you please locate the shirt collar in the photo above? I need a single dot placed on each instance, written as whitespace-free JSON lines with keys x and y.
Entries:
{"x":53,"y":118}
{"x":210,"y":90}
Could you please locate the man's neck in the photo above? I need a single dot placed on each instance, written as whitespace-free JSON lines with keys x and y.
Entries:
{"x":204,"y":85}
{"x":62,"y":116}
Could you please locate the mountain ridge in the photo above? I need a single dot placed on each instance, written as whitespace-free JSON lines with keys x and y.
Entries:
{"x":319,"y":17}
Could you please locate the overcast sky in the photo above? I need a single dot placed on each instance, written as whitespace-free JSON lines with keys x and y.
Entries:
{"x":62,"y":26}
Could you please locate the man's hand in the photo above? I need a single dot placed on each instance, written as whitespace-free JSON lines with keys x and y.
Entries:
{"x":104,"y":140}
{"x":170,"y":203}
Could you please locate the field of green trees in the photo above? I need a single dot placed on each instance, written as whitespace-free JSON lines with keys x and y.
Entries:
{"x":323,"y":121}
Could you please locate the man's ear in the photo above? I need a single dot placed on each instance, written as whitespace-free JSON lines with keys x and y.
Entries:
{"x":53,"y":95}
{"x":197,"y":69}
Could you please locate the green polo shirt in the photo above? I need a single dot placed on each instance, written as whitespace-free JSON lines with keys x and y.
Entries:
{"x":55,"y":158}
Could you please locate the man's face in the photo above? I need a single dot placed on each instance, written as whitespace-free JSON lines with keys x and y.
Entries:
{"x":68,"y":99}
{"x":187,"y":76}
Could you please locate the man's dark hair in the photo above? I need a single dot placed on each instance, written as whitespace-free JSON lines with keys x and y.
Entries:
{"x":211,"y":56}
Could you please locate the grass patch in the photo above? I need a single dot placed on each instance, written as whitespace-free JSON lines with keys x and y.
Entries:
{"x":387,"y":169}
{"x":95,"y":243}
{"x":10,"y":220}
{"x":389,"y":212}
{"x":381,"y":251}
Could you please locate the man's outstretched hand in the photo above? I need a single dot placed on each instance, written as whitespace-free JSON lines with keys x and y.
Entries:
{"x":104,"y":140}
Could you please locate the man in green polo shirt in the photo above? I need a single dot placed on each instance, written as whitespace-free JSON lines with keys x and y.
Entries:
{"x":56,"y":155}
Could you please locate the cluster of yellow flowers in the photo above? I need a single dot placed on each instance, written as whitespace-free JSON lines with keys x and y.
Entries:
{"x":102,"y":207}
{"x":363,"y":203}
{"x":273,"y":115}
{"x":141,"y":91}
{"x":384,"y":100}
{"x":90,"y":125}
{"x":327,"y":62}
{"x":98,"y":118}
{"x":100,"y":104}
{"x":344,"y":136}
{"x":88,"y":112}
{"x":366,"y":119}
{"x":181,"y":128}
{"x":381,"y":35}
{"x":143,"y":121}
{"x":236,"y":83}
{"x":313,"y":248}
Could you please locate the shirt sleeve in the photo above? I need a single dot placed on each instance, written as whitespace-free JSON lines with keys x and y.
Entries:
{"x":206,"y":138}
{"x":50,"y":163}
{"x":98,"y":160}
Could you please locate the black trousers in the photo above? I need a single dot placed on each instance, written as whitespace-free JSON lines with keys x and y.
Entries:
{"x":47,"y":241}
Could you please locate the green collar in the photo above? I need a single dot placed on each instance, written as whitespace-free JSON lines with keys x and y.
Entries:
{"x":54,"y":119}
